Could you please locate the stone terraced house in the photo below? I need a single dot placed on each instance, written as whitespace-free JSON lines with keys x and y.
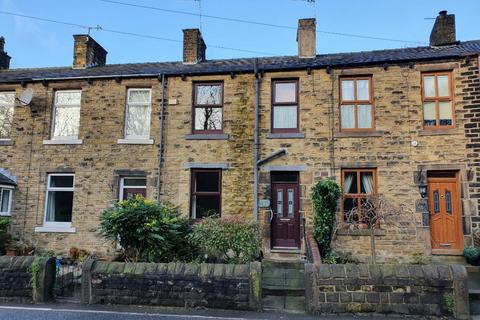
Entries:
{"x":248,"y":137}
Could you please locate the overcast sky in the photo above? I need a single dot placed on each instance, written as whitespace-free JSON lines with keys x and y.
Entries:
{"x":33,"y":43}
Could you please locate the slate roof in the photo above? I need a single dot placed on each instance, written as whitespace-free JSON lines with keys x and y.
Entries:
{"x":4,"y":180}
{"x":246,"y":64}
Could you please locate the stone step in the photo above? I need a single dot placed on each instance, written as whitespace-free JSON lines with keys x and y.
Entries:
{"x":283,"y":279}
{"x":284,"y":304}
{"x":297,"y":264}
{"x":439,"y":259}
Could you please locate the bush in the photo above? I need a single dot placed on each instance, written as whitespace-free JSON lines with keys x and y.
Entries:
{"x":4,"y":236}
{"x":147,"y":231}
{"x":472,"y":255}
{"x":325,"y":195}
{"x":4,"y":224}
{"x":231,"y":240}
{"x":338,"y":257}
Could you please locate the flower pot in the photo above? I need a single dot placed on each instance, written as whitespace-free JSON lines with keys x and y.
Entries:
{"x":474,"y":261}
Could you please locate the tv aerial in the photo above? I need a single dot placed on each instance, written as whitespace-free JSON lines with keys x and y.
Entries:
{"x":26,"y":97}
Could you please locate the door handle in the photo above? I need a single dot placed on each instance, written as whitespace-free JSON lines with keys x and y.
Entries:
{"x":271,"y":215}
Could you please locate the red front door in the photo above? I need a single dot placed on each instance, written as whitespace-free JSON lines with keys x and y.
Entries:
{"x":286,"y":217}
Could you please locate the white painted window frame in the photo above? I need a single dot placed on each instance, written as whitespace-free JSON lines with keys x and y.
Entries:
{"x":122,"y":185}
{"x":51,"y":226}
{"x":138,"y":139}
{"x":8,"y":213}
{"x":66,"y":139}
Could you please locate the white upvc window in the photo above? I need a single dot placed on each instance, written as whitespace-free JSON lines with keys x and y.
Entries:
{"x":131,"y":187}
{"x":66,"y":114}
{"x":59,"y":203}
{"x":137,"y":113}
{"x":7,"y":102}
{"x":6,"y":195}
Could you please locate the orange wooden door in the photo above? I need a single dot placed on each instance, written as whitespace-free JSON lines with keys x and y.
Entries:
{"x":445,"y":217}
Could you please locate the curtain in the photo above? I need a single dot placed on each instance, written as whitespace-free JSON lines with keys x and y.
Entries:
{"x":285,"y":117}
{"x":348,"y":116}
{"x":348,"y":182}
{"x":367,"y":181}
{"x":50,"y":216}
{"x":364,"y":116}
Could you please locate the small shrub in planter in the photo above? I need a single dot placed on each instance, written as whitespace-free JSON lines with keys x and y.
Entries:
{"x":147,"y":231}
{"x":472,"y":255}
{"x":229,"y":240}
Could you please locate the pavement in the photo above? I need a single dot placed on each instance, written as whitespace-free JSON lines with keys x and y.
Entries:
{"x":109,"y":312}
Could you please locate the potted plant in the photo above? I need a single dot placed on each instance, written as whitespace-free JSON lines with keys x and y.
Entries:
{"x":472,"y":255}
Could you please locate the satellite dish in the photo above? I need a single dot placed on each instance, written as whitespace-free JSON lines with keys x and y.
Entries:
{"x":26,"y":97}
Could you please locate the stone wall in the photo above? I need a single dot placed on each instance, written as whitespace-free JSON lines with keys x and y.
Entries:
{"x":402,"y":289}
{"x":172,"y":284}
{"x":16,"y":279}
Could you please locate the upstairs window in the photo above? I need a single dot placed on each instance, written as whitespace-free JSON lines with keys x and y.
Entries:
{"x":138,"y":112}
{"x":356,"y":104}
{"x":7,"y":101}
{"x":358,"y":185}
{"x":5,"y":200}
{"x":437,"y":100}
{"x":59,"y":204}
{"x":285,"y":106}
{"x":66,"y":114}
{"x":131,"y":187}
{"x":208,"y":108}
{"x":206,"y":194}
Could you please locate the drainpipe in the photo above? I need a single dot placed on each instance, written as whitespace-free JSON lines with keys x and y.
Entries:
{"x":256,"y":144}
{"x":162,"y":137}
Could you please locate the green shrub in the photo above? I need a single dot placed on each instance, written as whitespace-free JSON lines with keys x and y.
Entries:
{"x":147,"y":231}
{"x":325,"y":195}
{"x":231,"y":240}
{"x":472,"y":255}
{"x":339,"y":257}
{"x":4,"y":236}
{"x":4,"y":224}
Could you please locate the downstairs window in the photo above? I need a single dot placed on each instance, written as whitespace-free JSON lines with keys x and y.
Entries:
{"x":206,"y":195}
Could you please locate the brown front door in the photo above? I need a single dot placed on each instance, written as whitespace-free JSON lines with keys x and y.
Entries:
{"x":445,"y":215}
{"x":286,"y":217}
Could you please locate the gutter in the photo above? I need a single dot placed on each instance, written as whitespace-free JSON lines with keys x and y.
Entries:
{"x":256,"y":143}
{"x":162,"y":136}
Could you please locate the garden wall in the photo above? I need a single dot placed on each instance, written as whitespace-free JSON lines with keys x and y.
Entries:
{"x":16,"y":279}
{"x":402,"y":289}
{"x":172,"y":284}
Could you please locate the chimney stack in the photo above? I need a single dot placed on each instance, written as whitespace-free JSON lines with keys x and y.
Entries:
{"x":4,"y":57}
{"x":194,"y":47}
{"x":306,"y":38}
{"x":443,"y":31}
{"x":87,"y":52}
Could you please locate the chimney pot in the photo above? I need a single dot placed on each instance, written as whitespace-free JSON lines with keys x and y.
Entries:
{"x":306,"y":38}
{"x":87,"y":52}
{"x":4,"y":57}
{"x":194,"y":48}
{"x":443,"y":31}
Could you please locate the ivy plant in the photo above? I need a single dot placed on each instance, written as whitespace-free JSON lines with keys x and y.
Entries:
{"x":325,"y":195}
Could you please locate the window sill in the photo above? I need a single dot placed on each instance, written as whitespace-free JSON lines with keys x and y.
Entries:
{"x":6,"y":142}
{"x":4,"y":214}
{"x":213,"y":136}
{"x":358,"y":134}
{"x":135,"y":141}
{"x":63,"y":141}
{"x":439,"y":132}
{"x":55,"y":229}
{"x":359,"y":232}
{"x":286,"y":135}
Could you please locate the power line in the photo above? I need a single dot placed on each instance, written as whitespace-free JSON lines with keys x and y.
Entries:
{"x":265,"y":24}
{"x":126,"y":33}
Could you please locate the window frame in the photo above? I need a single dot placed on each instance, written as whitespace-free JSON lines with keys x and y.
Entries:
{"x":285,"y":104}
{"x":122,"y":185}
{"x":54,"y":111}
{"x":356,"y":102}
{"x":7,"y":213}
{"x":127,"y":107}
{"x":194,"y":193}
{"x":195,"y":106}
{"x":13,"y":114}
{"x":357,"y":195}
{"x":437,"y":99}
{"x":57,"y":224}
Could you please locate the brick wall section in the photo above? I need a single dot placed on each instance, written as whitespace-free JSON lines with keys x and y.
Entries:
{"x":402,"y":289}
{"x":172,"y":284}
{"x":15,"y":279}
{"x":471,"y":89}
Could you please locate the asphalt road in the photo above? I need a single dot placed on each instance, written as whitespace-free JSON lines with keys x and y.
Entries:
{"x":79,"y":312}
